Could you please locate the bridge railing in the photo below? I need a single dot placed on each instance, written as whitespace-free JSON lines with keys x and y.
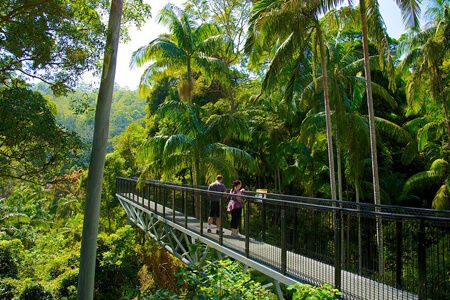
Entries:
{"x":375,"y":251}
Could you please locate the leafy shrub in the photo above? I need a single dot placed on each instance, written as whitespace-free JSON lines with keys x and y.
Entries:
{"x":8,"y":267}
{"x":223,"y":279}
{"x":34,"y":292}
{"x":67,"y":286}
{"x":117,"y":263}
{"x":160,"y":268}
{"x":7,"y":290}
{"x":309,"y":292}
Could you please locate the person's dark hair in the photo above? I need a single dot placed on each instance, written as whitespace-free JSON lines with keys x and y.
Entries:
{"x":236,"y":183}
{"x":219,"y":177}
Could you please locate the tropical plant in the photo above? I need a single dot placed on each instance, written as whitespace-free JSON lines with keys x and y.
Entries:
{"x":307,"y":292}
{"x":183,"y":47}
{"x":426,"y":53}
{"x":194,"y":145}
{"x":291,"y":25}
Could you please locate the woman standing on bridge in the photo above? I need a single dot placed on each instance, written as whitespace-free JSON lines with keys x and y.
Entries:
{"x":235,"y":207}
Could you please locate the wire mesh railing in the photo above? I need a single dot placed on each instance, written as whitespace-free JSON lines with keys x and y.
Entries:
{"x":367,"y":251}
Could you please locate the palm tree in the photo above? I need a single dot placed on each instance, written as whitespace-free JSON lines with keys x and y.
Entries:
{"x":97,"y":162}
{"x":291,"y":26}
{"x":425,"y":52}
{"x":194,"y":145}
{"x":369,"y":13}
{"x":183,"y":47}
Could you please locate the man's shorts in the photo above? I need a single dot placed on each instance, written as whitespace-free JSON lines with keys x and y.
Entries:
{"x":214,"y":209}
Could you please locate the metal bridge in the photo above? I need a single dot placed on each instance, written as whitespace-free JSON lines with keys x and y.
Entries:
{"x":366,"y":251}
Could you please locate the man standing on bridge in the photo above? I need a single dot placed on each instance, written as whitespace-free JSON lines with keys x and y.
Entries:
{"x":214,"y":202}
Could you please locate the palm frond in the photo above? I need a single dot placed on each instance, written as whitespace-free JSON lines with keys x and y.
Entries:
{"x":410,"y":12}
{"x":237,"y":157}
{"x":392,"y":130}
{"x":159,"y":48}
{"x":441,"y":199}
{"x":177,"y":143}
{"x":419,"y":182}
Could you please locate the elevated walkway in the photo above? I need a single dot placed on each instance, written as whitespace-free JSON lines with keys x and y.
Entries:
{"x":275,"y":241}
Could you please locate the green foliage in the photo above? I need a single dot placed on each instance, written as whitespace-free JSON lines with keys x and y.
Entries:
{"x":8,"y":267}
{"x":222,"y":279}
{"x":28,"y":48}
{"x":309,"y":292}
{"x":32,"y":144}
{"x":117,"y":263}
{"x":36,"y":291}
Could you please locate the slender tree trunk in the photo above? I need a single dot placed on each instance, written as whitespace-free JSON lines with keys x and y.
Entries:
{"x":359,"y":230}
{"x":373,"y":140}
{"x":279,"y":179}
{"x":326,"y":99}
{"x":189,"y":81}
{"x":340,"y":197}
{"x":97,"y":162}
{"x":198,"y":203}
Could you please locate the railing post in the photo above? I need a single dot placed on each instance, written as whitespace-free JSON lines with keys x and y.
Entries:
{"x":337,"y":248}
{"x":164,"y":196}
{"x":263,"y":217}
{"x":155,"y":197}
{"x":143,"y":195}
{"x":221,"y":221}
{"x":283,"y":239}
{"x":173,"y":205}
{"x":421,"y":256}
{"x":147,"y":194}
{"x":247,"y":230}
{"x":201,"y":213}
{"x":185,"y":209}
{"x":398,"y":261}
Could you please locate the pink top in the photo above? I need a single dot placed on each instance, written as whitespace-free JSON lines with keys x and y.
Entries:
{"x":238,"y":201}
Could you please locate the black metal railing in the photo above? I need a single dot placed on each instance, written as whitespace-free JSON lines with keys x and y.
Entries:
{"x":319,"y":240}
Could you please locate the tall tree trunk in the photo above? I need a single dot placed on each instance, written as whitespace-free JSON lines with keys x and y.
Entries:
{"x":373,"y":139}
{"x":97,"y":162}
{"x":189,"y":81}
{"x":197,"y":182}
{"x":326,"y":99}
{"x":359,"y":230}
{"x":340,"y":197}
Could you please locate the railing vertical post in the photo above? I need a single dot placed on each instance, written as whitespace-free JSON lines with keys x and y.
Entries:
{"x":263,"y":223}
{"x":421,"y":256}
{"x":147,"y":188}
{"x":247,"y":229}
{"x":155,"y":199}
{"x":142,"y":194}
{"x":221,"y":221}
{"x":164,"y":194}
{"x":399,"y":250}
{"x":173,"y":205}
{"x":185,"y":209}
{"x":201,"y":213}
{"x":337,"y":248}
{"x":283,"y":239}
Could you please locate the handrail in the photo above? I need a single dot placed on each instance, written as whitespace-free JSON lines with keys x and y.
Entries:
{"x":361,"y":208}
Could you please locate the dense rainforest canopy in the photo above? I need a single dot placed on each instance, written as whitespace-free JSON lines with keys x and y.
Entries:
{"x":272,"y":92}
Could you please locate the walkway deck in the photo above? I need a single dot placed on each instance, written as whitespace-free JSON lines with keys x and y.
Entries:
{"x":299,"y":268}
